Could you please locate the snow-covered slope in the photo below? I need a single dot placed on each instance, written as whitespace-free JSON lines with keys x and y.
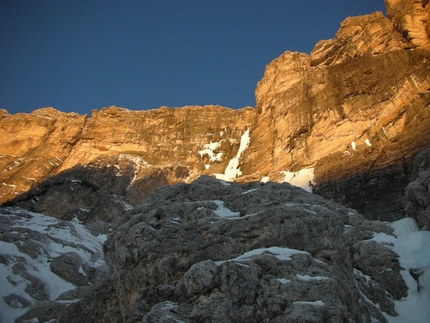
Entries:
{"x":413,"y":248}
{"x":34,"y":246}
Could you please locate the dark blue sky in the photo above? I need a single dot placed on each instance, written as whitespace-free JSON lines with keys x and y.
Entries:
{"x":79,"y":55}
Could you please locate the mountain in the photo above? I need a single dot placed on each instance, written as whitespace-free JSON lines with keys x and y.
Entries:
{"x":351,"y":115}
{"x":348,"y":118}
{"x":183,"y":214}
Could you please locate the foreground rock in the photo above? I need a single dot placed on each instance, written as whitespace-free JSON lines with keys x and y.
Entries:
{"x":42,"y":259}
{"x":213,"y":251}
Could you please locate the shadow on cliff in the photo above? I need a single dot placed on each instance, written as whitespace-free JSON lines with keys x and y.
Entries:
{"x":91,"y":193}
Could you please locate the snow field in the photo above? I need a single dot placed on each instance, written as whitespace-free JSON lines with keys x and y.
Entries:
{"x":413,"y":248}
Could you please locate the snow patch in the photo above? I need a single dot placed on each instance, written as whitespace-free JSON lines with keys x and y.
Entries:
{"x":283,"y":254}
{"x":168,"y":305}
{"x":224,"y":183}
{"x":232,"y":170}
{"x":283,"y":280}
{"x":367,"y":142}
{"x":304,"y":178}
{"x":265,"y":179}
{"x":311,"y":278}
{"x":404,"y":227}
{"x":314,"y":303}
{"x":209,"y":149}
{"x":249,"y":191}
{"x":353,"y":145}
{"x":102,"y":238}
{"x":224,"y":212}
{"x":138,"y":162}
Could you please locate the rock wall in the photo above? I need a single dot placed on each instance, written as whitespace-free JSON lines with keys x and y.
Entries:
{"x":417,"y":194}
{"x":213,"y":251}
{"x":350,"y":116}
{"x":140,"y":144}
{"x":33,"y":146}
{"x":41,"y":258}
{"x":356,"y":110}
{"x":412,"y":19}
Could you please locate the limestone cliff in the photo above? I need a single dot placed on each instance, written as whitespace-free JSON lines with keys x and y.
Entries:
{"x":357,"y":106}
{"x":33,"y":146}
{"x":347,"y":119}
{"x":139,"y":143}
{"x":412,"y":19}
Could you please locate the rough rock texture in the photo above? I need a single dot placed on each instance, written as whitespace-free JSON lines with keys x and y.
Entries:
{"x":33,"y":146}
{"x":346,"y":120}
{"x":40,"y":258}
{"x":88,"y":193}
{"x":412,"y":19}
{"x":215,"y":251}
{"x":153,"y":147}
{"x":346,"y":111}
{"x":352,"y":115}
{"x":212,"y":251}
{"x":417,"y":194}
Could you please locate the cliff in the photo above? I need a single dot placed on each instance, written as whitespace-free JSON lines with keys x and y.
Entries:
{"x":46,"y":142}
{"x":344,"y":121}
{"x":355,"y":110}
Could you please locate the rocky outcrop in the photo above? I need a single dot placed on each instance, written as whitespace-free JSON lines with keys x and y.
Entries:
{"x":412,"y":19}
{"x":212,"y":251}
{"x":347,"y":119}
{"x":417,"y":194}
{"x":162,"y":137}
{"x":87,"y":193}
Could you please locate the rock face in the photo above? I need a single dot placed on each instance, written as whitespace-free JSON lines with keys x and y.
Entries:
{"x":212,"y":251}
{"x":139,"y":143}
{"x":347,"y":119}
{"x":347,"y":112}
{"x":228,"y":242}
{"x":33,"y":146}
{"x":113,"y":159}
{"x":417,"y":197}
{"x":412,"y":19}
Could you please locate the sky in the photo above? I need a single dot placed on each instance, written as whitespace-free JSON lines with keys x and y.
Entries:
{"x":80,"y":55}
